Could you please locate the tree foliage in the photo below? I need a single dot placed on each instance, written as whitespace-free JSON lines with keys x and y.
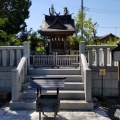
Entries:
{"x":12,"y":17}
{"x":86,"y":26}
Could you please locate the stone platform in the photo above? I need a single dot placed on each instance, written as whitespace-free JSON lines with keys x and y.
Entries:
{"x":96,"y":114}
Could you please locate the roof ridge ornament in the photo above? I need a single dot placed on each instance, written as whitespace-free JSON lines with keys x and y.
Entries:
{"x":66,"y":11}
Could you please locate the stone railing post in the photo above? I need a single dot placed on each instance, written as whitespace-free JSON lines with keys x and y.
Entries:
{"x":105,"y":56}
{"x":15,"y":85}
{"x":82,"y":47}
{"x":97,"y":60}
{"x":88,"y":86}
{"x":4,"y":57}
{"x":26,"y":51}
{"x":90,"y":57}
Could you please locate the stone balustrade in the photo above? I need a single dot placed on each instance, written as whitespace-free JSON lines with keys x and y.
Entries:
{"x":10,"y":55}
{"x":86,"y":73}
{"x":55,"y":60}
{"x":18,"y":74}
{"x":18,"y":77}
{"x":99,"y":55}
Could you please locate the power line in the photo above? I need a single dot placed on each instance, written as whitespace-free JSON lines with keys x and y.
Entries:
{"x":79,"y":7}
{"x":104,"y":11}
{"x":108,"y":27}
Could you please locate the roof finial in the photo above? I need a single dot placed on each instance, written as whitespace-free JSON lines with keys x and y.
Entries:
{"x":52,"y":10}
{"x":66,"y":11}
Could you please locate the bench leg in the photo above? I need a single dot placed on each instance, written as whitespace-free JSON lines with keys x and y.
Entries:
{"x":39,"y":115}
{"x":55,"y":113}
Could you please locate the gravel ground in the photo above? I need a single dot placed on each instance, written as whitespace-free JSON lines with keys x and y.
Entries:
{"x":109,"y":105}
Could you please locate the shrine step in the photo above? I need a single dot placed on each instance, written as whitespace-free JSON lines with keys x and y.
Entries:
{"x":75,"y":105}
{"x":39,"y":71}
{"x":64,"y":105}
{"x":67,"y":86}
{"x":69,"y":78}
{"x":64,"y":94}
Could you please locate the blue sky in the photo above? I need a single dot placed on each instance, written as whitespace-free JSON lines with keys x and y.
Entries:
{"x":105,"y":12}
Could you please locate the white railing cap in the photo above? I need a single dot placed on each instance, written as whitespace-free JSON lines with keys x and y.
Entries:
{"x":10,"y":47}
{"x":101,"y":46}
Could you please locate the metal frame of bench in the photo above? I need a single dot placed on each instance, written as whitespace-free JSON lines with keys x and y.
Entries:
{"x":41,"y":82}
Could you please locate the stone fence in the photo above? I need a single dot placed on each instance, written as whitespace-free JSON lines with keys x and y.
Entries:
{"x":100,"y":57}
{"x":11,"y":55}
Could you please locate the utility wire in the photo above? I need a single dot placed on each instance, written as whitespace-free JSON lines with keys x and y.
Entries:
{"x":115,"y":12}
{"x":58,"y":4}
{"x":108,"y":27}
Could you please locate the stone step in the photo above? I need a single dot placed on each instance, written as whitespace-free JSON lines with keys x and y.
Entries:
{"x":39,"y":71}
{"x":67,"y":86}
{"x":74,"y":86}
{"x":69,"y":78}
{"x":75,"y":105}
{"x":23,"y":104}
{"x":64,"y":94}
{"x":64,"y":105}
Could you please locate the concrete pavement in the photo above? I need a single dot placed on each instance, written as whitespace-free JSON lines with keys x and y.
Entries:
{"x":97,"y":114}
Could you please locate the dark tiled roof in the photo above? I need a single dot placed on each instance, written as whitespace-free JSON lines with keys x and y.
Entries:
{"x":60,"y":23}
{"x":103,"y":37}
{"x":107,"y":36}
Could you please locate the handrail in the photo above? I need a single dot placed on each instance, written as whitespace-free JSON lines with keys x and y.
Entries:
{"x":86,"y":74}
{"x":10,"y":47}
{"x":101,"y":46}
{"x":84,"y":61}
{"x":22,"y":63}
{"x":18,"y":77}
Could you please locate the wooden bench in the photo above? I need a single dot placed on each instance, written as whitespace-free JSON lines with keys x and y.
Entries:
{"x":47,"y":103}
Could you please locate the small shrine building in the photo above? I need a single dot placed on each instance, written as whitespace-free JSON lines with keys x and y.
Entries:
{"x":56,"y":29}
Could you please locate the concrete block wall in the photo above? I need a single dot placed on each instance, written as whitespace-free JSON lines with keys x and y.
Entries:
{"x":5,"y":79}
{"x":110,"y":81}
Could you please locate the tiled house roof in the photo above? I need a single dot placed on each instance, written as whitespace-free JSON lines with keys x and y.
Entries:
{"x":105,"y":38}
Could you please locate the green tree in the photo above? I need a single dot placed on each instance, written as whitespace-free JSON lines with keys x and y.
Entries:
{"x":12,"y":17}
{"x":34,"y":40}
{"x":86,"y":26}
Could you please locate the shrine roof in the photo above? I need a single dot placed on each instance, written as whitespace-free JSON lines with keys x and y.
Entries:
{"x":59,"y":23}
